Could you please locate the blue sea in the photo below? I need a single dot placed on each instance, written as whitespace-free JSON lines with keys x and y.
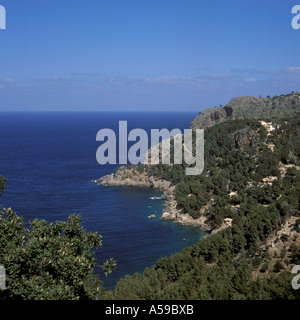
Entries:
{"x":49,"y":161}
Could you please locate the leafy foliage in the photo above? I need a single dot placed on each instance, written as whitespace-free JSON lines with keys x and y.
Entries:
{"x":49,"y":261}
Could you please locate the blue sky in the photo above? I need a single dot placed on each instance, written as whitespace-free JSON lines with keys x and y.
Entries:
{"x":145,"y":55}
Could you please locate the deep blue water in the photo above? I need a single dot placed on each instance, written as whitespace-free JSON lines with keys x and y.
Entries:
{"x":49,"y":160}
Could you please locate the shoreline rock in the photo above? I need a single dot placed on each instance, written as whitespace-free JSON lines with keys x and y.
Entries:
{"x":125,"y":177}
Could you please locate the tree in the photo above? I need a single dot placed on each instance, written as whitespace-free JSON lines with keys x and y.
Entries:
{"x":49,"y":261}
{"x":278,"y":266}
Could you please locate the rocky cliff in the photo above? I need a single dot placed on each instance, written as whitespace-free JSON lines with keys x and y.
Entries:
{"x":249,"y":107}
{"x":246,"y":137}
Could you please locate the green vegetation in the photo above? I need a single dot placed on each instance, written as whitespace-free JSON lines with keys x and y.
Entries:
{"x":237,"y":159}
{"x":49,"y":261}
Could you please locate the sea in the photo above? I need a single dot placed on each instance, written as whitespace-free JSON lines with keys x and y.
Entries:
{"x":49,"y":162}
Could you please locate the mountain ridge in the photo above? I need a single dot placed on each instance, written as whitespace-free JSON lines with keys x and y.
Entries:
{"x":249,"y":107}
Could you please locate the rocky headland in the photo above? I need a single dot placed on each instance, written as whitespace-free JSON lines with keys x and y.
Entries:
{"x":249,"y":107}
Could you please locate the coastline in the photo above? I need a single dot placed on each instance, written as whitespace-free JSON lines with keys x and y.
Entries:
{"x":130,"y":177}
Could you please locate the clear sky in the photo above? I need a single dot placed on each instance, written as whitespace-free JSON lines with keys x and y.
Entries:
{"x":145,"y":54}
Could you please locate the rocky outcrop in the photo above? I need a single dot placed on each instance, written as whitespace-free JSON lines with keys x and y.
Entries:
{"x":126,"y":177}
{"x":201,"y":222}
{"x":209,"y":117}
{"x":246,"y":137}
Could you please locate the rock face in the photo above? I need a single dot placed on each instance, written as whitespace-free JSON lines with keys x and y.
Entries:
{"x":249,"y":107}
{"x":165,"y":216}
{"x":245,"y":137}
{"x":200,"y":222}
{"x":209,"y":117}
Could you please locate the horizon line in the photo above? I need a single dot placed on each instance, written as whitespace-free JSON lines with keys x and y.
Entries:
{"x":141,"y":111}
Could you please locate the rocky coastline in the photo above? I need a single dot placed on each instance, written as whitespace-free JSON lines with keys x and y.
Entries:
{"x":130,"y":177}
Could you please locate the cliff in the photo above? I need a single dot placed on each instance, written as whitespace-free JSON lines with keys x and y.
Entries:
{"x":246,"y":137}
{"x":249,"y":107}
